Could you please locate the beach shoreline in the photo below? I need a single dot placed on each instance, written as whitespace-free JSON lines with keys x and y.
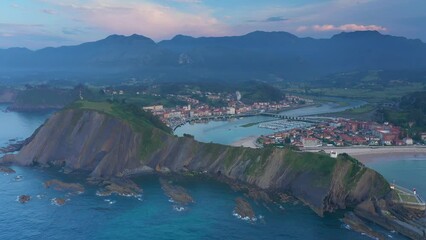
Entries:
{"x":372,"y":154}
{"x":249,"y":142}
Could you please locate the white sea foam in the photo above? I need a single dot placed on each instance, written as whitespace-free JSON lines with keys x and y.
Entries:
{"x":40,"y":196}
{"x":54,"y":202}
{"x":254,"y":219}
{"x":18,"y":178}
{"x":346,"y":226}
{"x":102,"y":194}
{"x":178,"y":208}
{"x":109,"y":201}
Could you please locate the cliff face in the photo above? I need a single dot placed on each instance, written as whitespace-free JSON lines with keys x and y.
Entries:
{"x":7,"y":95}
{"x":107,"y":146}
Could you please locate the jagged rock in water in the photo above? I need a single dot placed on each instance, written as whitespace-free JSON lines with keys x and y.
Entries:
{"x":62,"y":186}
{"x":397,"y":218}
{"x":24,"y":198}
{"x":59,"y":201}
{"x":122,"y":187}
{"x":177,"y":193}
{"x":7,"y":170}
{"x":356,"y":224}
{"x":243,"y":209}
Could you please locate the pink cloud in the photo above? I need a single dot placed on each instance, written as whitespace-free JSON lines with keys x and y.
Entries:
{"x":186,"y":1}
{"x":150,"y":19}
{"x":346,"y":27}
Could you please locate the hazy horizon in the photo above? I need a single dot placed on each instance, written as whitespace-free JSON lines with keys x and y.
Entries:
{"x":36,"y":24}
{"x":238,"y":35}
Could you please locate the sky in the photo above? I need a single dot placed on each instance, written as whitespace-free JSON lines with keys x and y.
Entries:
{"x":36,"y":24}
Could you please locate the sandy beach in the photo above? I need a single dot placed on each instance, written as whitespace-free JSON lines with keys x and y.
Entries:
{"x":368,"y":154}
{"x":246,"y":142}
{"x":362,"y":153}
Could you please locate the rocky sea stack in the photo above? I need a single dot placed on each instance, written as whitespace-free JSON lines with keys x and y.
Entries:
{"x":116,"y":140}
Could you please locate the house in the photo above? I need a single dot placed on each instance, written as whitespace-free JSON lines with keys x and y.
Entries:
{"x":408,"y":141}
{"x":423,"y":136}
{"x":231,"y":111}
{"x":388,"y":139}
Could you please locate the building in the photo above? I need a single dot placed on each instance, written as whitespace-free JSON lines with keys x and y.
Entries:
{"x":231,"y":111}
{"x":311,"y":142}
{"x":154,"y":108}
{"x":408,"y":141}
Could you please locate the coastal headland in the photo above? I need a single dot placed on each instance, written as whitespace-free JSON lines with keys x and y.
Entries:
{"x":119,"y":140}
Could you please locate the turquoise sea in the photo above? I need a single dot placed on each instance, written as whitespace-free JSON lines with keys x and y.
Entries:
{"x":153,"y":216}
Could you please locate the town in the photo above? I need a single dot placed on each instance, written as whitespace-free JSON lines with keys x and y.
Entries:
{"x":340,"y":132}
{"x":332,"y":132}
{"x":197,"y":110}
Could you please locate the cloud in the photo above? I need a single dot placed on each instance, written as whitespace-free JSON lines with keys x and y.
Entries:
{"x":270,"y":20}
{"x":14,"y":5}
{"x":150,"y":19}
{"x":345,"y":27}
{"x":72,"y":31}
{"x":16,"y":29}
{"x":28,"y":35}
{"x":186,"y":1}
{"x":6,"y":35}
{"x":49,"y":11}
{"x":276,"y":19}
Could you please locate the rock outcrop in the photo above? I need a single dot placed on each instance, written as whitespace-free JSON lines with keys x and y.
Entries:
{"x":243,"y":209}
{"x":24,"y":198}
{"x":7,"y":170}
{"x":114,"y":141}
{"x":178,"y":194}
{"x":119,"y":186}
{"x":65,"y":187}
{"x":59,"y":201}
{"x":360,"y":226}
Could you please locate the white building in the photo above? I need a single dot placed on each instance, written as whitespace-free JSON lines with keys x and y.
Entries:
{"x":231,"y":111}
{"x":311,"y":142}
{"x":408,"y":141}
{"x":154,"y":108}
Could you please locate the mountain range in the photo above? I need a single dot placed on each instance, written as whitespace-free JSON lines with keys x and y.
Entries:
{"x":255,"y":55}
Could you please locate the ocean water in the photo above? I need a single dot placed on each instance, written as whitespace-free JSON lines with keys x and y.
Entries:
{"x":18,"y":125}
{"x":152,"y":215}
{"x":409,"y":171}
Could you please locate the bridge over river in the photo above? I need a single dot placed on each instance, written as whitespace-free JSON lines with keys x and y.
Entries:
{"x":311,"y":119}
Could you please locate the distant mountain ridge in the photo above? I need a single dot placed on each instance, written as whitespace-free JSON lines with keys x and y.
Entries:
{"x":254,"y":55}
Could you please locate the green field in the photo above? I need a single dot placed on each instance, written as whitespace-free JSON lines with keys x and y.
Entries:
{"x":373,"y":95}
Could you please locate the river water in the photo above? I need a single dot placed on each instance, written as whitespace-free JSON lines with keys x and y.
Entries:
{"x":153,"y":216}
{"x":233,"y":130}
